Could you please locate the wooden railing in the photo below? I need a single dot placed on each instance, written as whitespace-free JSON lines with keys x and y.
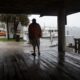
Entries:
{"x":77,"y":45}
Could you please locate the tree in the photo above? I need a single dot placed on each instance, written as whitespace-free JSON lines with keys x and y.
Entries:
{"x":14,"y":18}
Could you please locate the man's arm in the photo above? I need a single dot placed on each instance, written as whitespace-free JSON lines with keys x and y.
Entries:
{"x":40,"y":30}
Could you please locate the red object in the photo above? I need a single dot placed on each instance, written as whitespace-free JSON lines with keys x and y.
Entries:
{"x":2,"y":33}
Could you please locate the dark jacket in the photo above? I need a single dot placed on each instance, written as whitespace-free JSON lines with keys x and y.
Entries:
{"x":34,"y":31}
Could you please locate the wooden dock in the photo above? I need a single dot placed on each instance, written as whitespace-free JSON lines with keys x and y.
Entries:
{"x":17,"y":63}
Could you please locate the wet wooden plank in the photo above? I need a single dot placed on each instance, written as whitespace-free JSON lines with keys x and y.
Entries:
{"x":17,"y":65}
{"x":1,"y":69}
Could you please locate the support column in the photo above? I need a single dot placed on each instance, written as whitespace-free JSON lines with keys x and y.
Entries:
{"x":7,"y":30}
{"x":61,"y":34}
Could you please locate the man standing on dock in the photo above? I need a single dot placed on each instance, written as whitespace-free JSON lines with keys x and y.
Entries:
{"x":35,"y":34}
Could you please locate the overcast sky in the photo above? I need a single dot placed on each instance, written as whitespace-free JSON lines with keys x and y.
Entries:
{"x":51,"y":21}
{"x":74,"y":20}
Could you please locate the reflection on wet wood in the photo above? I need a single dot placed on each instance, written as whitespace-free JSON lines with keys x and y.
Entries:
{"x":17,"y":65}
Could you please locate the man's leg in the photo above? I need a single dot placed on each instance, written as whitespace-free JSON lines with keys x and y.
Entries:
{"x":34,"y":54}
{"x":34,"y":47}
{"x":38,"y":46}
{"x":38,"y":50}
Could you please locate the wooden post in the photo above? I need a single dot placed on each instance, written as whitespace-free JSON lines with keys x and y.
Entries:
{"x":79,"y":46}
{"x":7,"y":30}
{"x":61,"y":34}
{"x":76,"y":45}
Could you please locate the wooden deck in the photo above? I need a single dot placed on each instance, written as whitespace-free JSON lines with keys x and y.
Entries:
{"x":17,"y":63}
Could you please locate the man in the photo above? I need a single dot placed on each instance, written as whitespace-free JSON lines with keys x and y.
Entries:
{"x":35,"y":34}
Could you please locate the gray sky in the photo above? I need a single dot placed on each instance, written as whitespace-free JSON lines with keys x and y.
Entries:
{"x":51,"y":21}
{"x":74,"y":20}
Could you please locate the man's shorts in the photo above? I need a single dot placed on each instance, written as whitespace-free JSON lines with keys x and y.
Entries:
{"x":35,"y":42}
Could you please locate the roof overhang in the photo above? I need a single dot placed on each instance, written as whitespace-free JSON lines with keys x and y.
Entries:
{"x":42,"y":7}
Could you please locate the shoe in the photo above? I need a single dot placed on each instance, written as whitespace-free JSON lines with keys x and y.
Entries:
{"x":33,"y":54}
